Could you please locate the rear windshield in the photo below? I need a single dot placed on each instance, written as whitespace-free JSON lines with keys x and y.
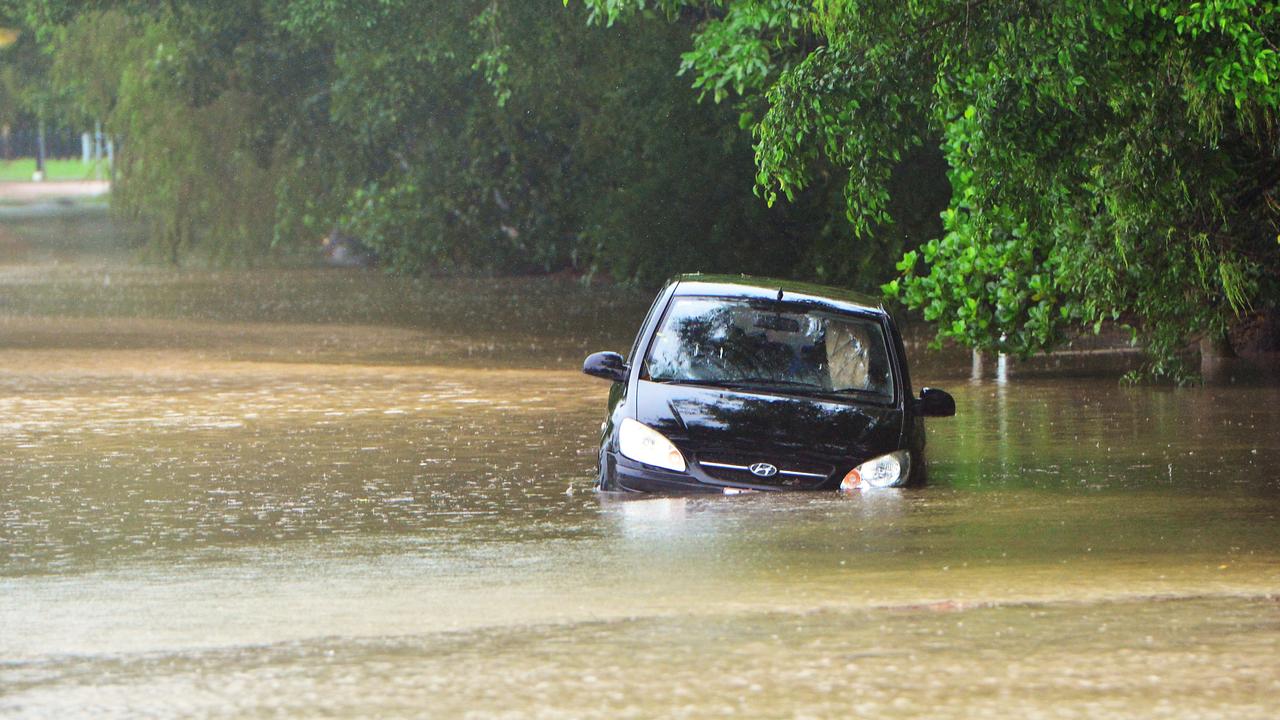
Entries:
{"x":770,"y":346}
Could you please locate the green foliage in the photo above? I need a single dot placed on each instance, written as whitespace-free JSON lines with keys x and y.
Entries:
{"x":1108,"y":161}
{"x":475,"y":136}
{"x":25,"y":91}
{"x":179,"y":91}
{"x":515,"y":137}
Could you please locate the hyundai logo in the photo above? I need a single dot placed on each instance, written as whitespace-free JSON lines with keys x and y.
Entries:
{"x":763,"y":470}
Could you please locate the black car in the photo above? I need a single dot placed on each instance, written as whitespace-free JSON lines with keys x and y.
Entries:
{"x":738,"y":383}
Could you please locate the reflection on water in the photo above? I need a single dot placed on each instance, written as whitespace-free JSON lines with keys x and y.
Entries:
{"x":194,"y":522}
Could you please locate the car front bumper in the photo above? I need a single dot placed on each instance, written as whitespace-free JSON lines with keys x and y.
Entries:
{"x":620,"y":473}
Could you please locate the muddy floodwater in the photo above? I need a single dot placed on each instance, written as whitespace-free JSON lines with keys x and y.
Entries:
{"x":324,"y":493}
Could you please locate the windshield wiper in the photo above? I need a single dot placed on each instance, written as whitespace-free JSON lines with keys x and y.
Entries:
{"x":854,"y":391}
{"x":758,"y":384}
{"x":779,"y":385}
{"x":782,"y":385}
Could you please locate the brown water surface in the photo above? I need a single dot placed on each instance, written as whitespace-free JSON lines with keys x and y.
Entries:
{"x":314,"y":493}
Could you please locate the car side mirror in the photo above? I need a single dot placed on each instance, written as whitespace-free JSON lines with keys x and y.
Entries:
{"x":607,"y":365}
{"x":935,"y":403}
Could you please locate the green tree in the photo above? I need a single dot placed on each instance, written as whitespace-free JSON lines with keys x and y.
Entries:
{"x":26,"y":96}
{"x":506,"y":136}
{"x":481,"y":135}
{"x":1107,"y":160}
{"x":192,"y":92}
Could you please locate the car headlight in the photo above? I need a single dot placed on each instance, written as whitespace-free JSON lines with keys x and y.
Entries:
{"x":644,"y":444}
{"x":885,"y":471}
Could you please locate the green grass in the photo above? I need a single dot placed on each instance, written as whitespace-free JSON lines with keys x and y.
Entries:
{"x":21,"y":169}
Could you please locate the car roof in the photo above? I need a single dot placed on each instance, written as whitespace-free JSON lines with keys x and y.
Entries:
{"x":746,"y":286}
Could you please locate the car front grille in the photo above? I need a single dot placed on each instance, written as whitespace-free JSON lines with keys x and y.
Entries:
{"x":737,"y":469}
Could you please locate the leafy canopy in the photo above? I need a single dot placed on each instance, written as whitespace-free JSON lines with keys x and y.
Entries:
{"x":479,"y":135}
{"x":1108,"y":160}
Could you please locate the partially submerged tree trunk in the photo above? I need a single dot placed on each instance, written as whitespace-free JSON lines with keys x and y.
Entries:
{"x":1215,"y":348}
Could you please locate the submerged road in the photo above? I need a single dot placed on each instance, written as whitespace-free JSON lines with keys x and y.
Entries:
{"x":345,"y":495}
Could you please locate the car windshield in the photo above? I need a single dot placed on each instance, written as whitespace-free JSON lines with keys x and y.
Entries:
{"x":770,"y":346}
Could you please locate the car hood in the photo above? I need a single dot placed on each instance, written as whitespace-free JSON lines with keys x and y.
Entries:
{"x":713,"y":421}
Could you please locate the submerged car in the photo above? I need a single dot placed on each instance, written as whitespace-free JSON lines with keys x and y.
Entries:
{"x":737,"y":383}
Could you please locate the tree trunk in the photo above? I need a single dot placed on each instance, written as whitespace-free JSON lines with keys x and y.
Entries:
{"x":1215,"y":347}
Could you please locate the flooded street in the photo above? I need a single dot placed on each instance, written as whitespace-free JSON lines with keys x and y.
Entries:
{"x":322,"y":493}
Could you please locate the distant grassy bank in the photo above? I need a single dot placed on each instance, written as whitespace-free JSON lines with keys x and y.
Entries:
{"x":21,"y":169}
